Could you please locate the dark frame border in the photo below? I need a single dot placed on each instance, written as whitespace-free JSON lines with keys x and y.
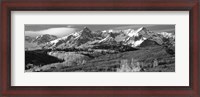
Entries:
{"x":88,"y":5}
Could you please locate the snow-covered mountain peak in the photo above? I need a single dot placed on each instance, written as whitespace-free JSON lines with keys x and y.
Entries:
{"x":130,"y":32}
{"x":86,"y":32}
{"x":44,"y":35}
{"x":130,"y":37}
{"x":108,"y":40}
{"x":86,"y":29}
{"x":142,"y":30}
{"x":167,"y":35}
{"x":110,"y":31}
{"x":76,"y":38}
{"x":44,"y":38}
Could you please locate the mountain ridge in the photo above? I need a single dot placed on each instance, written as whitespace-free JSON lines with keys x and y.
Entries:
{"x":133,"y":38}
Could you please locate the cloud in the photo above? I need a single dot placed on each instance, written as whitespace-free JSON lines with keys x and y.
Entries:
{"x":60,"y":32}
{"x":70,"y":26}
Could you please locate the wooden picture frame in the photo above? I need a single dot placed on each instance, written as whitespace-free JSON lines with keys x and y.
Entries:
{"x":193,"y":90}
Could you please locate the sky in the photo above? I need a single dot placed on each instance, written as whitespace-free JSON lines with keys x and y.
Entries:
{"x":63,"y":30}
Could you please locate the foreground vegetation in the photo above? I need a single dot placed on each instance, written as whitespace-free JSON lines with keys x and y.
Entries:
{"x":147,"y":59}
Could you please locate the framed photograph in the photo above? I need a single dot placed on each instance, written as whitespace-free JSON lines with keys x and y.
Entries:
{"x":140,"y":48}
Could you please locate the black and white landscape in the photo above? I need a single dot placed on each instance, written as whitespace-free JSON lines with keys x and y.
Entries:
{"x":99,"y":48}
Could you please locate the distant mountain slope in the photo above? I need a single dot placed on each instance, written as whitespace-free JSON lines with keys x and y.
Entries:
{"x":32,"y":43}
{"x":57,"y":31}
{"x":107,"y":40}
{"x":73,"y":40}
{"x":44,"y":38}
{"x":28,"y":39}
{"x":148,"y":42}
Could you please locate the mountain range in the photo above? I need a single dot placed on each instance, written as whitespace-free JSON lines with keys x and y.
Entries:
{"x":41,"y":39}
{"x":86,"y":38}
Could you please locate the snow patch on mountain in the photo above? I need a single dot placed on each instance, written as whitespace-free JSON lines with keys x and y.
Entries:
{"x":167,"y":35}
{"x":134,"y":43}
{"x":61,"y":40}
{"x":130,"y":32}
{"x":108,"y":40}
{"x":74,"y":39}
{"x":42,"y":39}
{"x":132,"y":37}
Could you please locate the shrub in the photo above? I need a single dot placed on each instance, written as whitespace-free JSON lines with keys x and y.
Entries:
{"x":28,"y":66}
{"x":155,"y":63}
{"x":134,"y":66}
